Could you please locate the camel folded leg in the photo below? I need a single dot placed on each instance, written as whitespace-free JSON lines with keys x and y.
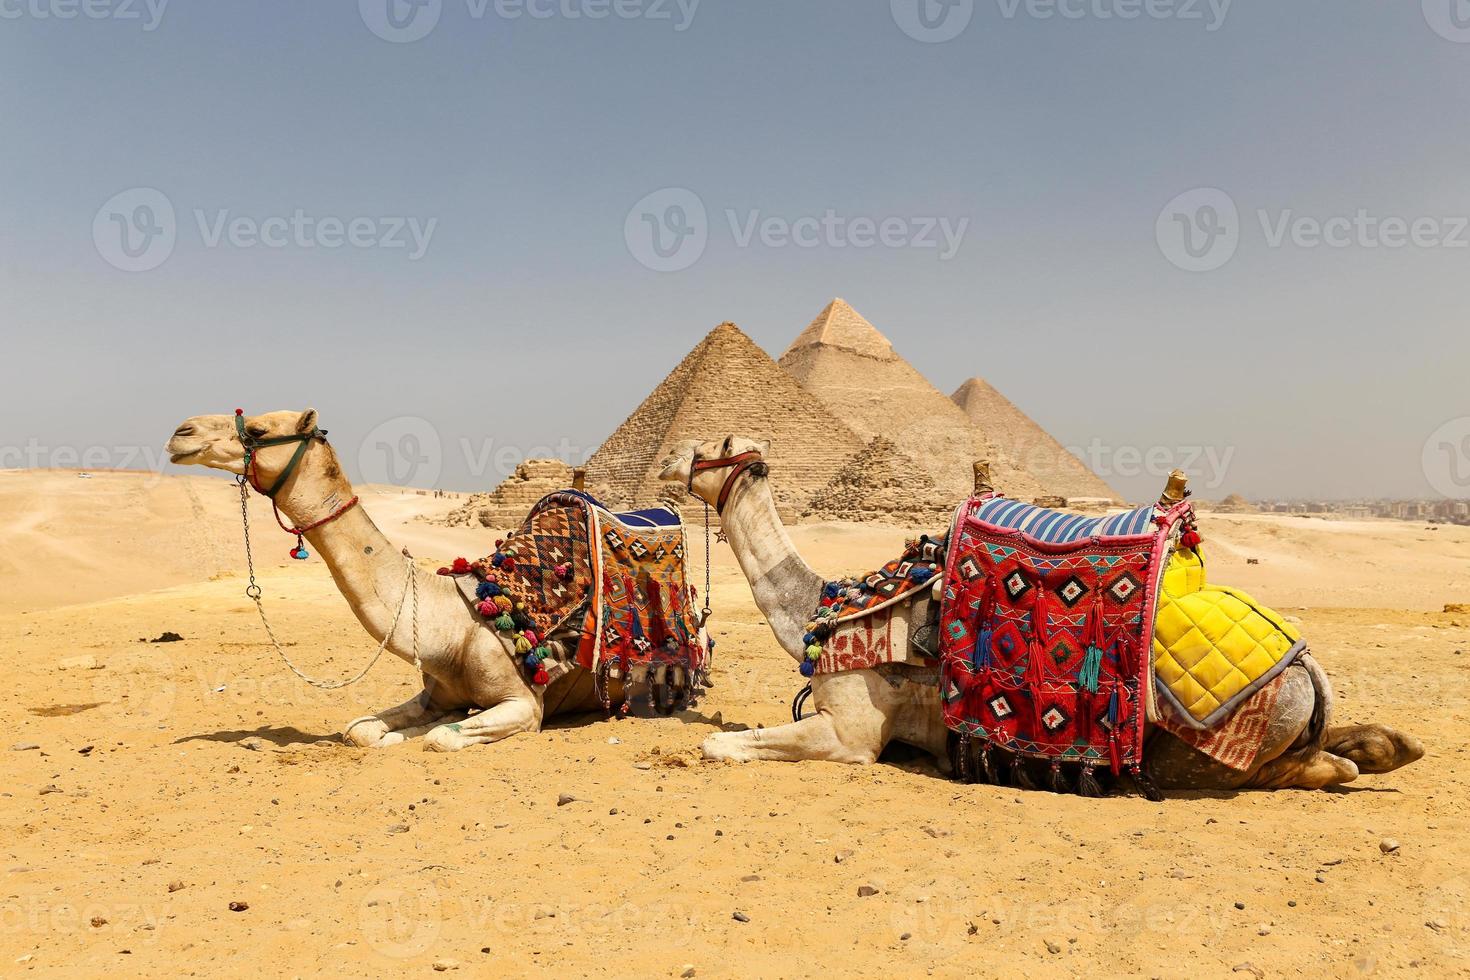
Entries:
{"x":393,"y":725}
{"x":810,"y":738}
{"x":491,"y":725}
{"x":1309,"y":769}
{"x":1374,"y":748}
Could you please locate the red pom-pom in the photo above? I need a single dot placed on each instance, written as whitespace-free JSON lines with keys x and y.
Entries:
{"x":1190,"y":539}
{"x":488,"y":608}
{"x":444,"y":571}
{"x":239,"y":411}
{"x":542,"y":677}
{"x":461,"y":566}
{"x":509,"y":564}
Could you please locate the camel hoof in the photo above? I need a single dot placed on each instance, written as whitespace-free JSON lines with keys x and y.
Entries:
{"x":444,"y":739}
{"x":364,"y":732}
{"x":716,"y":748}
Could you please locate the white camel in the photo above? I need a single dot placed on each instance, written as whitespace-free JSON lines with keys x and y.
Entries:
{"x":858,"y":712}
{"x":466,"y":666}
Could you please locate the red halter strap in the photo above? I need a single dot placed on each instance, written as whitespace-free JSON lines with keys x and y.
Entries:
{"x":740,"y":463}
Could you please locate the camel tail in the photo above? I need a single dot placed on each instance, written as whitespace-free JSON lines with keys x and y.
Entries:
{"x":1316,"y":731}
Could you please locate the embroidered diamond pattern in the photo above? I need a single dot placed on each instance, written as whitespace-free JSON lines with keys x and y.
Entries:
{"x":637,"y":549}
{"x":1000,"y":707}
{"x":1055,"y":719}
{"x":613,"y":538}
{"x":659,"y":553}
{"x":1072,"y":591}
{"x":970,"y":569}
{"x":1062,"y":652}
{"x":679,"y":551}
{"x":1123,"y":588}
{"x":1016,"y":585}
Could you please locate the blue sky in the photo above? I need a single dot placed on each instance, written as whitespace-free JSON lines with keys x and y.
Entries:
{"x":1056,"y":136}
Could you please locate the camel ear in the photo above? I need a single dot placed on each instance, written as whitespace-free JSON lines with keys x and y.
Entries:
{"x":765,"y":446}
{"x":307,"y":422}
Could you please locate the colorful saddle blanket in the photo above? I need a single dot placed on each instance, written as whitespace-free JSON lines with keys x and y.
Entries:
{"x":1057,"y":630}
{"x":611,"y":585}
{"x":852,"y":628}
{"x":1046,"y":626}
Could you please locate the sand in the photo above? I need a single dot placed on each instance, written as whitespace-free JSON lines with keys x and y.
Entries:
{"x":171,"y":780}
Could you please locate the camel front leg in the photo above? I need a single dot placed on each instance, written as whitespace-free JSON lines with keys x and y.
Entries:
{"x":388,"y":727}
{"x":853,"y":723}
{"x":491,"y":725}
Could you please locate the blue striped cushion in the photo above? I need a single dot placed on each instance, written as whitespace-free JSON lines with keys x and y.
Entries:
{"x":1055,"y":527}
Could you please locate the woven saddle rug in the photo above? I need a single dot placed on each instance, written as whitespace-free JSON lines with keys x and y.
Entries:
{"x":852,"y":628}
{"x":612,"y":586}
{"x":1046,"y":625}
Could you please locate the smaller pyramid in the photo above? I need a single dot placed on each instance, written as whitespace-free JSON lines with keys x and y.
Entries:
{"x":507,"y":505}
{"x":879,"y":483}
{"x":1013,"y":432}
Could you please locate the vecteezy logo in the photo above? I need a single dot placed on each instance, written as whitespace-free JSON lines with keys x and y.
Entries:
{"x":1446,"y":459}
{"x":667,"y":230}
{"x":403,"y":451}
{"x":1450,"y":19}
{"x":401,"y":921}
{"x":932,"y":21}
{"x":400,"y":21}
{"x":135,"y":230}
{"x":1199,"y":230}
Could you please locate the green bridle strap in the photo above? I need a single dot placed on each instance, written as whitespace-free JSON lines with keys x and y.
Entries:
{"x":252,"y":444}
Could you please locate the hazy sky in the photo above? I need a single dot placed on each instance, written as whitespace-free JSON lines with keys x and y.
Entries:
{"x":428,"y":220}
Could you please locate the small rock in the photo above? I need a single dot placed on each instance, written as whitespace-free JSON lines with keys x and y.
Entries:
{"x":168,"y":636}
{"x":936,"y":832}
{"x":565,"y":798}
{"x":398,"y":828}
{"x":98,"y":922}
{"x":85,"y":750}
{"x":252,"y":744}
{"x":841,"y":856}
{"x":751,"y":878}
{"x":86,"y":662}
{"x":1250,"y":968}
{"x":740,"y":917}
{"x":866,"y":891}
{"x":688,"y":970}
{"x":614,"y":740}
{"x":1388,"y":845}
{"x":1264,"y":929}
{"x":905,"y":937}
{"x":1053,"y":947}
{"x":47,"y":790}
{"x":645,"y":766}
{"x":441,"y":966}
{"x":24,"y":747}
{"x":1438,"y":925}
{"x":239,"y":906}
{"x":1240,"y":905}
{"x":177,"y":885}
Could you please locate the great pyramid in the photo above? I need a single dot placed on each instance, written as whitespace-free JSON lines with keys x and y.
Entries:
{"x":846,"y":362}
{"x":879,"y":484}
{"x":725,"y":386}
{"x":1012,"y":430}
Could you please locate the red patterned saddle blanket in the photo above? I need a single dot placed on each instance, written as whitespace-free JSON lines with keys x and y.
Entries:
{"x":611,"y":587}
{"x":1046,"y":630}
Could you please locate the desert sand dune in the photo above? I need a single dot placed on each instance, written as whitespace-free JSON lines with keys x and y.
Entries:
{"x":171,"y":780}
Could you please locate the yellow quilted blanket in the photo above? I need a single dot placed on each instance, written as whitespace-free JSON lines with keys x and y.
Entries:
{"x":1213,"y":646}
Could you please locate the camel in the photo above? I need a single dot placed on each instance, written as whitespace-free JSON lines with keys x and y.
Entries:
{"x":858,"y":712}
{"x":465,"y":666}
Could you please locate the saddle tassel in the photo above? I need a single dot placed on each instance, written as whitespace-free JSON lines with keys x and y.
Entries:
{"x":1036,"y":650}
{"x":1117,"y":762}
{"x":982,"y":656}
{"x":1087,"y":784}
{"x":1091,"y":671}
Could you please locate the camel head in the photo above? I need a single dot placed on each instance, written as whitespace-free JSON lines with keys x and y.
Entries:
{"x":708,"y":481}
{"x":214,"y":441}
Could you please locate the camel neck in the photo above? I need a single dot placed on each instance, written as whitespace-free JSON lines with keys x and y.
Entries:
{"x":783,"y":585}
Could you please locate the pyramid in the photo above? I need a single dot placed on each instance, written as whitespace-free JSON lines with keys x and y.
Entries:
{"x":1013,"y":432}
{"x":847,"y":363}
{"x":507,"y":505}
{"x":725,"y":386}
{"x":880,"y":483}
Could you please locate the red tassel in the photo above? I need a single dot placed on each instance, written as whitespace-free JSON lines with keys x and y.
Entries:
{"x":542,"y":677}
{"x":1190,"y":538}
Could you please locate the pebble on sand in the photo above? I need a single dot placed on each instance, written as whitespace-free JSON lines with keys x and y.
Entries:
{"x":866,"y":891}
{"x":740,"y":917}
{"x":1388,"y":845}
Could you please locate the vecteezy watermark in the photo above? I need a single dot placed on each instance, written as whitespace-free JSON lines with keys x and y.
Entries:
{"x":1208,"y":466}
{"x":405,"y":21}
{"x":136,"y":230}
{"x":1446,"y":459}
{"x":936,"y":21}
{"x":403,"y":451}
{"x":1450,"y":19}
{"x":36,"y":455}
{"x":1200,"y":230}
{"x":148,"y":12}
{"x":668,"y":230}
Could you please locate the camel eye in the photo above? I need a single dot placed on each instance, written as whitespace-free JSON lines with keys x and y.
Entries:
{"x":256,"y":431}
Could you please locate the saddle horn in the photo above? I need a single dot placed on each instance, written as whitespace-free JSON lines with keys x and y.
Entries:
{"x":579,"y":478}
{"x":1176,"y":489}
{"x":982,"y":477}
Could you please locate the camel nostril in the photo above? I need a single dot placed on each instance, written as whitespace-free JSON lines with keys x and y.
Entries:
{"x":184,"y":430}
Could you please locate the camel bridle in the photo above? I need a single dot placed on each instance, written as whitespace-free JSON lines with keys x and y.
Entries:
{"x":740,"y":464}
{"x":253,"y":591}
